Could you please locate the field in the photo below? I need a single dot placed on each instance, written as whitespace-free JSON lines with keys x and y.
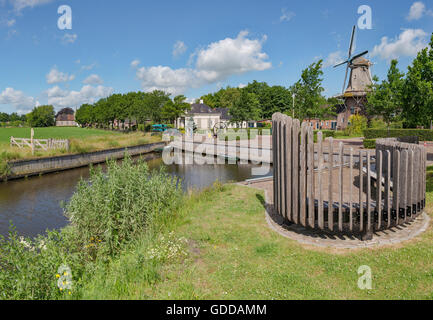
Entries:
{"x":82,"y":141}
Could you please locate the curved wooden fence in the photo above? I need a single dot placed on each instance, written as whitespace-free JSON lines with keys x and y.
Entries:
{"x":329,"y":188}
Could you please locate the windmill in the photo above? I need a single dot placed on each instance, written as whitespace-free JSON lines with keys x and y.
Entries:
{"x":355,"y":95}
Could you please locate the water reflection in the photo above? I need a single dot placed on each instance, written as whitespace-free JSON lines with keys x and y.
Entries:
{"x":33,"y":205}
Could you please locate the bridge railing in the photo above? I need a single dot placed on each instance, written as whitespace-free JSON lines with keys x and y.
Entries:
{"x":330,"y":188}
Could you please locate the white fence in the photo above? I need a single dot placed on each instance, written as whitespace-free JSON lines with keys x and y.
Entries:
{"x":40,"y":144}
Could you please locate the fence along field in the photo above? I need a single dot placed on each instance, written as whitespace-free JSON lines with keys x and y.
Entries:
{"x":305,"y":182}
{"x":39,"y":144}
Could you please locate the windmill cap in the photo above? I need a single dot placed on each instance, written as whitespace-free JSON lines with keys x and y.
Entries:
{"x":361,"y":61}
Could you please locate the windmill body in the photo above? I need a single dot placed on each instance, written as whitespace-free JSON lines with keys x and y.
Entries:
{"x":354,"y":96}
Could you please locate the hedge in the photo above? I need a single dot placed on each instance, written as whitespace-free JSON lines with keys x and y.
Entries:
{"x":423,"y":135}
{"x":370,"y":143}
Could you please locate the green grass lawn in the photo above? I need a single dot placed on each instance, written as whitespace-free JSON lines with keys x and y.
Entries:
{"x":233,"y":254}
{"x":81,"y":141}
{"x":52,"y":132}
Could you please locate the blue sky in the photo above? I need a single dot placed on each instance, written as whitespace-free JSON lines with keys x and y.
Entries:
{"x":190,"y":47}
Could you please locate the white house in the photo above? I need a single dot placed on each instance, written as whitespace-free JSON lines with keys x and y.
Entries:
{"x":205,"y":118}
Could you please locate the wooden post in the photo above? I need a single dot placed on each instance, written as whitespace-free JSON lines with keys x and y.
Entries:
{"x":282,"y":166}
{"x":330,"y":185}
{"x":379,"y":170}
{"x":403,"y":184}
{"x":303,"y":176}
{"x":396,"y":185}
{"x":321,"y":221}
{"x":368,"y":230}
{"x":341,"y":186}
{"x":388,"y":187}
{"x":310,"y":182}
{"x":361,"y":196}
{"x":351,"y":190}
{"x":295,"y":171}
{"x":409,"y":198}
{"x":288,"y":170}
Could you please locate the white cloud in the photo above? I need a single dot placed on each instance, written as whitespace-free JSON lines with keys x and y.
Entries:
{"x":231,"y":56}
{"x":179,"y":48}
{"x":286,"y":15}
{"x":135,"y":63}
{"x":11,"y":23}
{"x":242,"y":85}
{"x":88,"y":94}
{"x":408,"y":43}
{"x":69,"y":38}
{"x":216,"y":62}
{"x":416,"y":11}
{"x":55,"y":92}
{"x":55,"y":76}
{"x":88,"y":67}
{"x":333,"y":59}
{"x":19,"y":5}
{"x":93,"y":79}
{"x":21,"y":102}
{"x":167,"y":79}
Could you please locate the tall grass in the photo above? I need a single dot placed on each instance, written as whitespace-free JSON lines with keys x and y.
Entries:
{"x":107,"y":214}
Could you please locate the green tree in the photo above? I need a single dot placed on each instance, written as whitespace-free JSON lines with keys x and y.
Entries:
{"x":245,"y":107}
{"x":385,"y":99}
{"x":417,"y":95}
{"x":309,"y":100}
{"x":42,"y":116}
{"x":174,"y":109}
{"x":4,"y":117}
{"x":84,"y":115}
{"x":154,"y":103}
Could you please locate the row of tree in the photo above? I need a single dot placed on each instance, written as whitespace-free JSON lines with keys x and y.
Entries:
{"x":139,"y":106}
{"x":405,"y":97}
{"x":13,"y":117}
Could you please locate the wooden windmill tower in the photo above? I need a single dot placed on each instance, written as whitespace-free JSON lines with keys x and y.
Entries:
{"x":355,"y":95}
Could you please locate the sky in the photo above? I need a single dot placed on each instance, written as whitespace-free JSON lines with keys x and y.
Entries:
{"x":191,"y":47}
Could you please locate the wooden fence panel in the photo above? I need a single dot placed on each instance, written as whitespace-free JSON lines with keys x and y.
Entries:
{"x":400,"y":180}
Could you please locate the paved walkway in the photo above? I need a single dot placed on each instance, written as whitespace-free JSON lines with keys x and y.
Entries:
{"x":340,"y":241}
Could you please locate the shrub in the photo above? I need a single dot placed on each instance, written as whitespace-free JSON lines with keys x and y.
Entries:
{"x":106,"y":213}
{"x":358,"y":123}
{"x":118,"y":205}
{"x":423,"y":135}
{"x":370,"y":143}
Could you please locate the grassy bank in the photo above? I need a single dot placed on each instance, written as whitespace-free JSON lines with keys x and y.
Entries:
{"x":82,"y":141}
{"x":232,"y":254}
{"x":213,"y":244}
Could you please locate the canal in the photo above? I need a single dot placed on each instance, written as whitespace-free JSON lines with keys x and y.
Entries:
{"x":34,"y":205}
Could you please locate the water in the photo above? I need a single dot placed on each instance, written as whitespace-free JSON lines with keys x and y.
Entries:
{"x":33,"y":205}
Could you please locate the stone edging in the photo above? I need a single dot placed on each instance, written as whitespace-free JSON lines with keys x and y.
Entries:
{"x":314,"y":238}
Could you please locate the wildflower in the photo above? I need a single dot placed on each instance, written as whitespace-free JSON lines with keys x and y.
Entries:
{"x":57,"y":276}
